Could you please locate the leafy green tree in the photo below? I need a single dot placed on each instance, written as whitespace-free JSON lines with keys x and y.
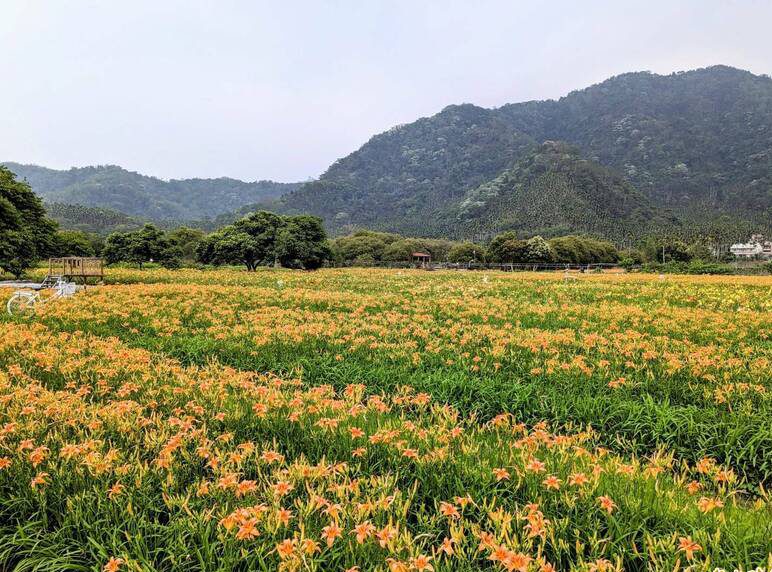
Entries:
{"x":116,"y":247}
{"x":362,"y":246}
{"x":250,"y":241}
{"x":537,"y":250}
{"x":665,"y":249}
{"x":698,"y":250}
{"x":230,"y":246}
{"x":463,"y":252}
{"x":582,"y":250}
{"x":26,"y":234}
{"x":506,"y":248}
{"x":97,"y":242}
{"x":403,"y":249}
{"x":187,"y":239}
{"x":73,"y":243}
{"x":263,"y":227}
{"x":149,"y":244}
{"x":302,"y":243}
{"x":631,"y":257}
{"x":567,"y":249}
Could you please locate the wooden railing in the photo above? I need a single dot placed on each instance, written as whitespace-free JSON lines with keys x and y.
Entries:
{"x":73,"y":267}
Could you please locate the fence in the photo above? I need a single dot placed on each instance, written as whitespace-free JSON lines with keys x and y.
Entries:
{"x":73,"y":267}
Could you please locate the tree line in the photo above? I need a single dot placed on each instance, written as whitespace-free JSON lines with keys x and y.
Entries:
{"x":258,"y":239}
{"x":267,"y":239}
{"x":28,"y":235}
{"x":366,"y":247}
{"x":369,"y":247}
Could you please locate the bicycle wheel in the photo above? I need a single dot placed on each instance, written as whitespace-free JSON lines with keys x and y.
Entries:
{"x":21,"y":305}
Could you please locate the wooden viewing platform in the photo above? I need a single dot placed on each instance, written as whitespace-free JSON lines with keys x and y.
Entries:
{"x":76,"y":267}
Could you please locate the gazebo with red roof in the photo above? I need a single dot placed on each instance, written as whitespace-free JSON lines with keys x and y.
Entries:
{"x":421,"y":259}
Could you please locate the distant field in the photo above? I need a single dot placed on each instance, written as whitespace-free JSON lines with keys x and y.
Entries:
{"x":218,"y":420}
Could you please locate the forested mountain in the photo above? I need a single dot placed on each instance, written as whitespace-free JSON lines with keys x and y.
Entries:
{"x":687,"y":152}
{"x":686,"y":139}
{"x":115,"y":188}
{"x":401,"y":179}
{"x":91,"y":219}
{"x":697,"y":146}
{"x":555,"y":191}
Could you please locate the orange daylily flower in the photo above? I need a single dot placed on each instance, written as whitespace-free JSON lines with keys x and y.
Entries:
{"x":386,"y":535}
{"x":282,"y":488}
{"x":552,"y":482}
{"x":607,"y":504}
{"x":331,"y":532}
{"x":687,"y":545}
{"x":113,"y":565}
{"x":448,"y":510}
{"x":501,"y":474}
{"x":706,"y":504}
{"x":285,"y":548}
{"x":421,"y":563}
{"x":363,"y":531}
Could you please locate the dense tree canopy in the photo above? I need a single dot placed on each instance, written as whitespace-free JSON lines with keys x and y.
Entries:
{"x":26,"y":234}
{"x":665,"y":249}
{"x":582,"y":250}
{"x":92,"y":219}
{"x":363,"y":246}
{"x":229,"y":246}
{"x":264,"y":238}
{"x":506,"y":247}
{"x":464,"y":252}
{"x":302,"y":243}
{"x":149,"y":244}
{"x":75,"y":243}
{"x":187,"y":239}
{"x":554,"y":191}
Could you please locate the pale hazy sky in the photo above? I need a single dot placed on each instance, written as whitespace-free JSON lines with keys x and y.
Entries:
{"x":279,"y":90}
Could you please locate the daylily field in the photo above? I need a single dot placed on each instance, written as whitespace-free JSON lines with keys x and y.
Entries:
{"x":389,"y":420}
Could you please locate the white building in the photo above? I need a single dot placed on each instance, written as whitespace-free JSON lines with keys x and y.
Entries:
{"x":756,"y":247}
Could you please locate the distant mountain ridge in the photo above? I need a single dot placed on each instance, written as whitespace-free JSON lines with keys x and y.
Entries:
{"x":696,"y":145}
{"x":133,"y":194}
{"x":689,"y":152}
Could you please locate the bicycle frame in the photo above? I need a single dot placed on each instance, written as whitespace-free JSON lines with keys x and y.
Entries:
{"x":26,"y":300}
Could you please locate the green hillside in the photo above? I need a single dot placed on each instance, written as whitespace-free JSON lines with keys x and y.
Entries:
{"x":138,"y":195}
{"x":555,"y":191}
{"x":697,"y":145}
{"x":402,"y":178}
{"x":691,"y":140}
{"x":91,"y":219}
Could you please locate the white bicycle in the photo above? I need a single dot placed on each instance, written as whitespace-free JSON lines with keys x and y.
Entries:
{"x":23,"y":302}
